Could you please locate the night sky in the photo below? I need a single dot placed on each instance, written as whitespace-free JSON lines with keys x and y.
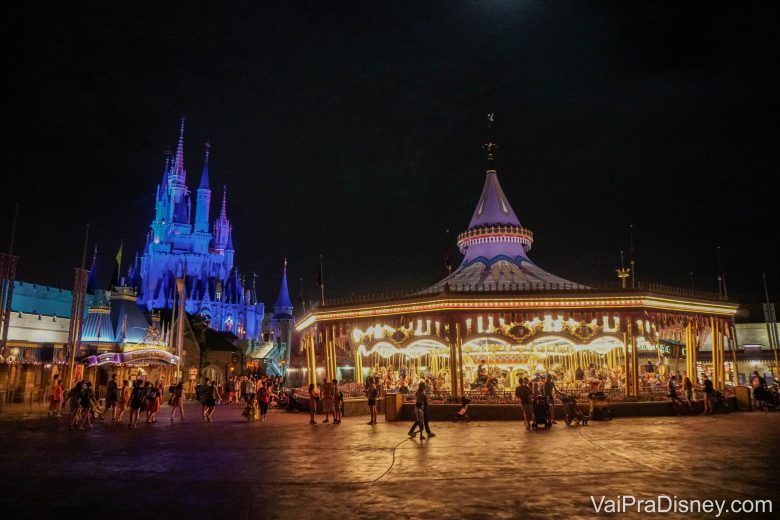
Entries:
{"x":355,"y":131}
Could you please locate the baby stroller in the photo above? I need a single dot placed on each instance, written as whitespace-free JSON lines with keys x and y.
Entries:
{"x":573,"y":413}
{"x":462,"y":415}
{"x":719,"y":403}
{"x":599,"y":406}
{"x":541,"y":413}
{"x":766,"y":399}
{"x":290,"y":403}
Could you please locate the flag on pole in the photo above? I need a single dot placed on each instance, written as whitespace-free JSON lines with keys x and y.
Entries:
{"x":117,"y":268}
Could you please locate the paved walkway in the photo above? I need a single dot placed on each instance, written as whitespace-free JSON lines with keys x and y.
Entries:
{"x":285,"y":468}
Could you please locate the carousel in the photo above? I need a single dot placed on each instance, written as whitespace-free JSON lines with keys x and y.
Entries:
{"x":499,"y":317}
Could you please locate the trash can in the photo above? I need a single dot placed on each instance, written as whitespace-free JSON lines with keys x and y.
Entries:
{"x":744,"y":400}
{"x":393,"y":404}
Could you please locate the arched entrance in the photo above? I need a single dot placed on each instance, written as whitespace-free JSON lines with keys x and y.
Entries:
{"x":213,"y":373}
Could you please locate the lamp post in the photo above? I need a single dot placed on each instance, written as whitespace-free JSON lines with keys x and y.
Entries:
{"x":180,"y":324}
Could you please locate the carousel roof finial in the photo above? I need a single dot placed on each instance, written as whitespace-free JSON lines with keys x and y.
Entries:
{"x":490,"y":147}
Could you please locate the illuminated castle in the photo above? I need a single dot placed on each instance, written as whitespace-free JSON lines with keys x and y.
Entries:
{"x":185,"y":243}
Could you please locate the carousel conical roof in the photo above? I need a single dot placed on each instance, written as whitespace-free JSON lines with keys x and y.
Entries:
{"x":495,"y":247}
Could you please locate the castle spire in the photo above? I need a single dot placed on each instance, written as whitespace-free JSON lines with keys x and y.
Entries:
{"x":283,"y":304}
{"x":222,"y":229}
{"x":223,"y":211}
{"x":204,"y":197}
{"x":204,"y":176}
{"x":178,"y":162}
{"x":166,"y":170}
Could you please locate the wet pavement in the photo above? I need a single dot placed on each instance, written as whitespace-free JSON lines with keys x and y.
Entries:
{"x":285,"y":468}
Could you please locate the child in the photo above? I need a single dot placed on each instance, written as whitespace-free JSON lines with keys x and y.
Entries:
{"x":419,"y":416}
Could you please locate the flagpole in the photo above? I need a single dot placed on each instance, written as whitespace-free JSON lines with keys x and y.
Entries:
{"x":723,"y":293}
{"x":303,"y":301}
{"x":13,"y":230}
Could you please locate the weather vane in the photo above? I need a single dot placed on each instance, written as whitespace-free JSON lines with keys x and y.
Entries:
{"x":490,"y":146}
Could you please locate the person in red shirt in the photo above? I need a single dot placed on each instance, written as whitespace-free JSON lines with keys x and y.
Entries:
{"x":57,"y":395}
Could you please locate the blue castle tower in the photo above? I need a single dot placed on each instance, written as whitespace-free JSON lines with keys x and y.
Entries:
{"x":180,"y":244}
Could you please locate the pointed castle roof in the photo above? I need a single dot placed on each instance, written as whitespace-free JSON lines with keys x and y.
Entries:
{"x":178,"y":160}
{"x":283,"y":304}
{"x":496,"y":245}
{"x":204,"y":174}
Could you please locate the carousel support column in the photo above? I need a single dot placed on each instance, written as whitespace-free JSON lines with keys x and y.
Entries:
{"x":358,"y":367}
{"x":333,"y":352}
{"x":627,"y":364}
{"x":460,"y":360}
{"x":326,"y":348}
{"x":733,"y":346}
{"x":714,"y":353}
{"x":311,"y":366}
{"x":451,"y":343}
{"x":717,"y":346}
{"x":633,"y":374}
{"x":690,"y":354}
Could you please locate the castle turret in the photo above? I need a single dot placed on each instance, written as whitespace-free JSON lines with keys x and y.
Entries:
{"x":204,"y":198}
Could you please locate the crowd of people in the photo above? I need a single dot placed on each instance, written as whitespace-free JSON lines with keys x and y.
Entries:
{"x":141,"y":398}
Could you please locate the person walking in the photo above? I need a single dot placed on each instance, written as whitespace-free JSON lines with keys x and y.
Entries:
{"x":177,"y":400}
{"x":122,"y":402}
{"x":249,"y":390}
{"x":373,"y":394}
{"x":264,"y":395}
{"x":212,"y":396}
{"x":419,"y":419}
{"x":709,"y":394}
{"x":313,"y":398}
{"x":200,"y":394}
{"x":338,"y":400}
{"x":112,"y":397}
{"x":523,"y":393}
{"x":88,"y":405}
{"x":230,"y":388}
{"x":137,"y":401}
{"x":57,"y":394}
{"x":422,"y":393}
{"x":152,"y":403}
{"x":74,"y":403}
{"x":549,"y":394}
{"x":326,"y":395}
{"x":671,"y":389}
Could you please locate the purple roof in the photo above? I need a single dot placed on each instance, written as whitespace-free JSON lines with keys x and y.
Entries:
{"x":493,"y":206}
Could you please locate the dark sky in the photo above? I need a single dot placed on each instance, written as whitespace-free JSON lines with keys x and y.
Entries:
{"x":354,"y":131}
